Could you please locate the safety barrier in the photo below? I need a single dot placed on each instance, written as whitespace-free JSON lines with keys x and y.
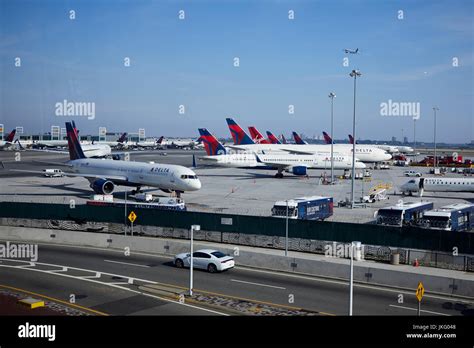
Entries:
{"x":246,"y":226}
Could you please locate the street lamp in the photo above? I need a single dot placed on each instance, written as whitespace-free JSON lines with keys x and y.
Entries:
{"x":435,"y":163}
{"x":193,"y":228}
{"x":332,"y":96}
{"x":286,"y":230}
{"x":354,"y":74}
{"x":357,"y":246}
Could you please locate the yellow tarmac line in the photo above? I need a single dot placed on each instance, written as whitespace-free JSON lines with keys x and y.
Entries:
{"x":54,"y":299}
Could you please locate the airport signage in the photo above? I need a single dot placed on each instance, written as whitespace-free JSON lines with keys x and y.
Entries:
{"x":132,"y":217}
{"x":420,"y":291}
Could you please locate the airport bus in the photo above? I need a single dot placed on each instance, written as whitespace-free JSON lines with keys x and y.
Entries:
{"x":402,"y":214}
{"x":304,"y":208}
{"x":453,"y":217}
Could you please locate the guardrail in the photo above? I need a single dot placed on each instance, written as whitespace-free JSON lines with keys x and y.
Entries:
{"x":400,"y":237}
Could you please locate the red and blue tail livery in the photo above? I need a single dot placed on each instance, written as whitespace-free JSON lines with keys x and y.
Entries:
{"x":327,"y":138}
{"x":257,"y":136}
{"x":273,"y":139}
{"x":10,"y":136}
{"x":75,"y":149}
{"x":238,"y":134}
{"x":211,"y":144}
{"x":122,"y":138}
{"x":298,"y":139}
{"x":351,"y":139}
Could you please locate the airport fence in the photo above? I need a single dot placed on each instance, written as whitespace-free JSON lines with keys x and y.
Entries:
{"x":247,"y":225}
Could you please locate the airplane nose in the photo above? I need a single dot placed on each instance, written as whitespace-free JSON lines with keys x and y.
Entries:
{"x":196,"y":185}
{"x":360,"y":165}
{"x":387,"y":156}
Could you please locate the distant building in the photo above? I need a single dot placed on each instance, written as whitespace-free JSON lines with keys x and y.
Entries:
{"x":394,"y":139}
{"x":405,"y":140}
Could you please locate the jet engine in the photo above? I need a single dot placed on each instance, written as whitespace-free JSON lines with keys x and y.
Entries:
{"x":103,"y":186}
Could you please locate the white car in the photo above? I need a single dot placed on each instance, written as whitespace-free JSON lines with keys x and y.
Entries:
{"x":208,"y":259}
{"x":53,"y":173}
{"x":412,"y":173}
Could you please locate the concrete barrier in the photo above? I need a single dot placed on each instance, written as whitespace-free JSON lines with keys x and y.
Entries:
{"x":368,"y":272}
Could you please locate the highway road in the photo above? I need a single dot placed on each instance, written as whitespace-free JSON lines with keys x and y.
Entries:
{"x":328,"y":297}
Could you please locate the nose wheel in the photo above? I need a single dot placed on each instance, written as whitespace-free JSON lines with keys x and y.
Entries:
{"x":279,"y":175}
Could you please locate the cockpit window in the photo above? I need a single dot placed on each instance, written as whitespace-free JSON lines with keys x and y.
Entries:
{"x":411,"y":182}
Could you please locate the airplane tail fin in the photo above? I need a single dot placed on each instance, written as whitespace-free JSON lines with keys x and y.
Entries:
{"x":327,"y":138}
{"x":273,"y":139}
{"x":122,"y":138}
{"x":211,"y":144}
{"x":351,"y":139}
{"x":238,"y":134}
{"x":283,"y":140}
{"x":298,"y":139}
{"x":10,"y":136}
{"x":74,"y":145}
{"x":257,"y":136}
{"x":160,"y":140}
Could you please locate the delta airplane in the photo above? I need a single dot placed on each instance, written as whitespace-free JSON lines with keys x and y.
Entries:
{"x":388,"y":148}
{"x":298,"y":139}
{"x":104,"y":174}
{"x":438,"y":185}
{"x":120,"y":143}
{"x":179,"y":143}
{"x":364,"y":153}
{"x":8,"y":142}
{"x":273,"y":139}
{"x":283,"y":161}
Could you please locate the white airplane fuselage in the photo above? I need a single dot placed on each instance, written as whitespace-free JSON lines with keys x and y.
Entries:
{"x":365,"y":153}
{"x":438,"y":185}
{"x":162,"y":176}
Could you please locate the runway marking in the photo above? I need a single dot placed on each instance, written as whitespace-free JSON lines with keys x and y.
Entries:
{"x":127,"y":263}
{"x":111,"y":285}
{"x":53,"y":299}
{"x":64,"y":269}
{"x":32,"y":264}
{"x":422,"y":310}
{"x":119,"y":283}
{"x":259,"y":284}
{"x":316,"y":278}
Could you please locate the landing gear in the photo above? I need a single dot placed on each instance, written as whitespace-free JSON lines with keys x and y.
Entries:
{"x":279,"y":175}
{"x":137,"y":190}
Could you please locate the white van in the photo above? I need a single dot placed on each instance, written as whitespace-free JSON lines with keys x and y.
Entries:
{"x":53,"y":173}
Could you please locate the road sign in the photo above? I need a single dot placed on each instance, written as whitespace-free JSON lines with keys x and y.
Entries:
{"x":132,"y":216}
{"x":420,"y":290}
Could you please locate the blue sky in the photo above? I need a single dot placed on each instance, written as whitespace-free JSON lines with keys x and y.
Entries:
{"x":282,"y":62}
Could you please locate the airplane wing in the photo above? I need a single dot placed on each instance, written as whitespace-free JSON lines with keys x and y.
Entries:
{"x":299,"y":152}
{"x":84,"y":175}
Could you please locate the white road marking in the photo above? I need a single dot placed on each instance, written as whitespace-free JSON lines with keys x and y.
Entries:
{"x":127,"y":263}
{"x":112,"y":285}
{"x":422,"y":310}
{"x":259,"y":284}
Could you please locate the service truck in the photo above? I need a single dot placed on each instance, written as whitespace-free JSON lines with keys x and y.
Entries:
{"x":453,"y":217}
{"x":304,"y":208}
{"x":402,"y":214}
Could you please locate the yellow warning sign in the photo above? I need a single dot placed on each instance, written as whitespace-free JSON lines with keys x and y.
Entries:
{"x":420,"y":290}
{"x":132,"y":216}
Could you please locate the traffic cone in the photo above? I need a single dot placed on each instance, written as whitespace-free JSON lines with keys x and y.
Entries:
{"x":416,"y":263}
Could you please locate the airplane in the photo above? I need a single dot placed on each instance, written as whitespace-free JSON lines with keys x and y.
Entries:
{"x":438,"y":185}
{"x":293,"y":163}
{"x":105,"y":174}
{"x":8,"y":142}
{"x":283,"y":140}
{"x":388,"y":148}
{"x":298,"y":139}
{"x":348,"y":50}
{"x":257,"y":136}
{"x":365,"y":153}
{"x":148,"y":144}
{"x":179,"y":143}
{"x":385,"y":147}
{"x":273,"y":139}
{"x":327,"y":138}
{"x":120,"y":143}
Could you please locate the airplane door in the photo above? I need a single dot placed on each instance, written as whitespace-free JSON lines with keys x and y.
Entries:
{"x":172,"y":179}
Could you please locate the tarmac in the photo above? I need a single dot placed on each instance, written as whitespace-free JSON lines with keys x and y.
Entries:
{"x":226,"y":190}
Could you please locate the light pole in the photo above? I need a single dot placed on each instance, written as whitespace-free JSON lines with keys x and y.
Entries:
{"x":351,"y":280}
{"x":414,"y":137}
{"x":125,"y":212}
{"x":435,"y":163}
{"x":354,"y":74}
{"x":193,"y":228}
{"x":332,"y":96}
{"x":286,"y":230}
